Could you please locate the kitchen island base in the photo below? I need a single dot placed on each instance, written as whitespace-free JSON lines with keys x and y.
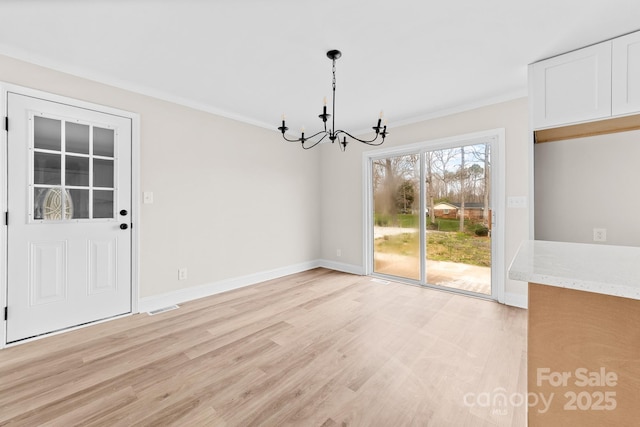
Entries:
{"x":583,"y":358}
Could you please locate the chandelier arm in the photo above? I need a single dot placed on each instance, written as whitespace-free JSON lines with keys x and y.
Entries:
{"x":368,"y":142}
{"x":316,"y":134}
{"x":310,"y":147}
{"x":307,"y":139}
{"x":314,"y":144}
{"x":290,"y":140}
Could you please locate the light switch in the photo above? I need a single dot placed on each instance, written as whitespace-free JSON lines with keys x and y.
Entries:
{"x":147,"y":197}
{"x":517,"y":202}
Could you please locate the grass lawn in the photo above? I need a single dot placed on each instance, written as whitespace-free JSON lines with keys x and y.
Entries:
{"x":412,"y":221}
{"x":400,"y":220}
{"x":457,"y":247}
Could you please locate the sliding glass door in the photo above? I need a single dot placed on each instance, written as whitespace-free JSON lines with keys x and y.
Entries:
{"x":458,"y":229}
{"x":432,"y":215}
{"x":396,"y":216}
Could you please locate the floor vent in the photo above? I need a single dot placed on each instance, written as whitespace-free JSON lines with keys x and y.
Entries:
{"x":383,"y":282}
{"x":162,"y":310}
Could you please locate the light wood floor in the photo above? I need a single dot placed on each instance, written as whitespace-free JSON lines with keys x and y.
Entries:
{"x":320,"y":348}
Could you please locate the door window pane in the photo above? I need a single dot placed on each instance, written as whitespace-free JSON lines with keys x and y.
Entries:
{"x":77,"y":172}
{"x":46,"y":169}
{"x":77,"y":138}
{"x":46,"y":133}
{"x":103,"y":173}
{"x":103,"y":204}
{"x":79,"y":199}
{"x":458,"y":202}
{"x":396,"y":200}
{"x":38,"y":202}
{"x":49,"y":204}
{"x":103,"y":142}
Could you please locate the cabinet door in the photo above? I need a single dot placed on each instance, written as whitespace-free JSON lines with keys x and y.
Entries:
{"x":626,"y":74}
{"x":572,"y":88}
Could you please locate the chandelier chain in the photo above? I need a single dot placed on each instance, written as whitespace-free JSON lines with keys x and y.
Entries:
{"x":334,"y":75}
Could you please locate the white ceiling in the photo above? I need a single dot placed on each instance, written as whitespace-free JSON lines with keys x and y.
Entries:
{"x":252,"y":60}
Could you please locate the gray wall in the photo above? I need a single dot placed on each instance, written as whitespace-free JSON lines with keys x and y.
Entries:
{"x":587,"y":183}
{"x":342,"y":214}
{"x":230,"y":199}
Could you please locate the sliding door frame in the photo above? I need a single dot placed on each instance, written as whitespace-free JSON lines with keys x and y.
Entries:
{"x":496,"y":137}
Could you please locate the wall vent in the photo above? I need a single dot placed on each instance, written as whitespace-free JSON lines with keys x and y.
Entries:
{"x":162,"y":310}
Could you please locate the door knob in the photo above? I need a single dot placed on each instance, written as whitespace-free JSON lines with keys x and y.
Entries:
{"x":123,"y":226}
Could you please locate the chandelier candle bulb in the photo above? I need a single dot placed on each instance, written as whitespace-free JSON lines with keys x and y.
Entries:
{"x":283,"y":128}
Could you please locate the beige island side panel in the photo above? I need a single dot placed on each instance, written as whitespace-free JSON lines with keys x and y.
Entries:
{"x":583,"y":358}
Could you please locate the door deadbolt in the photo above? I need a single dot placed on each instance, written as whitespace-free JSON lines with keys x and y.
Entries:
{"x":123,"y":212}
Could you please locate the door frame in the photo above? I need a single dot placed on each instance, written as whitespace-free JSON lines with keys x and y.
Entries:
{"x":498,"y":271}
{"x":5,"y":89}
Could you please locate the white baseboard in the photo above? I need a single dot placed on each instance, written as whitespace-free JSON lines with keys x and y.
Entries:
{"x":516,"y":300}
{"x":183,"y":295}
{"x":147,"y":304}
{"x":339,"y":266}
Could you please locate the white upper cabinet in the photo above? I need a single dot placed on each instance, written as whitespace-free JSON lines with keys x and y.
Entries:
{"x":574,"y":87}
{"x":626,"y":74}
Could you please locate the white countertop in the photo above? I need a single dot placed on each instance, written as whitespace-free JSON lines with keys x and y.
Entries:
{"x":603,"y":269}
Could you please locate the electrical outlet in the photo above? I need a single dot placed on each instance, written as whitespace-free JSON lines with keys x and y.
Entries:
{"x":182,"y":273}
{"x":338,"y":252}
{"x":599,"y":234}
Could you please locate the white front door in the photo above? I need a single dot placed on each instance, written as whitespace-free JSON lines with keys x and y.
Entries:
{"x":69,"y":216}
